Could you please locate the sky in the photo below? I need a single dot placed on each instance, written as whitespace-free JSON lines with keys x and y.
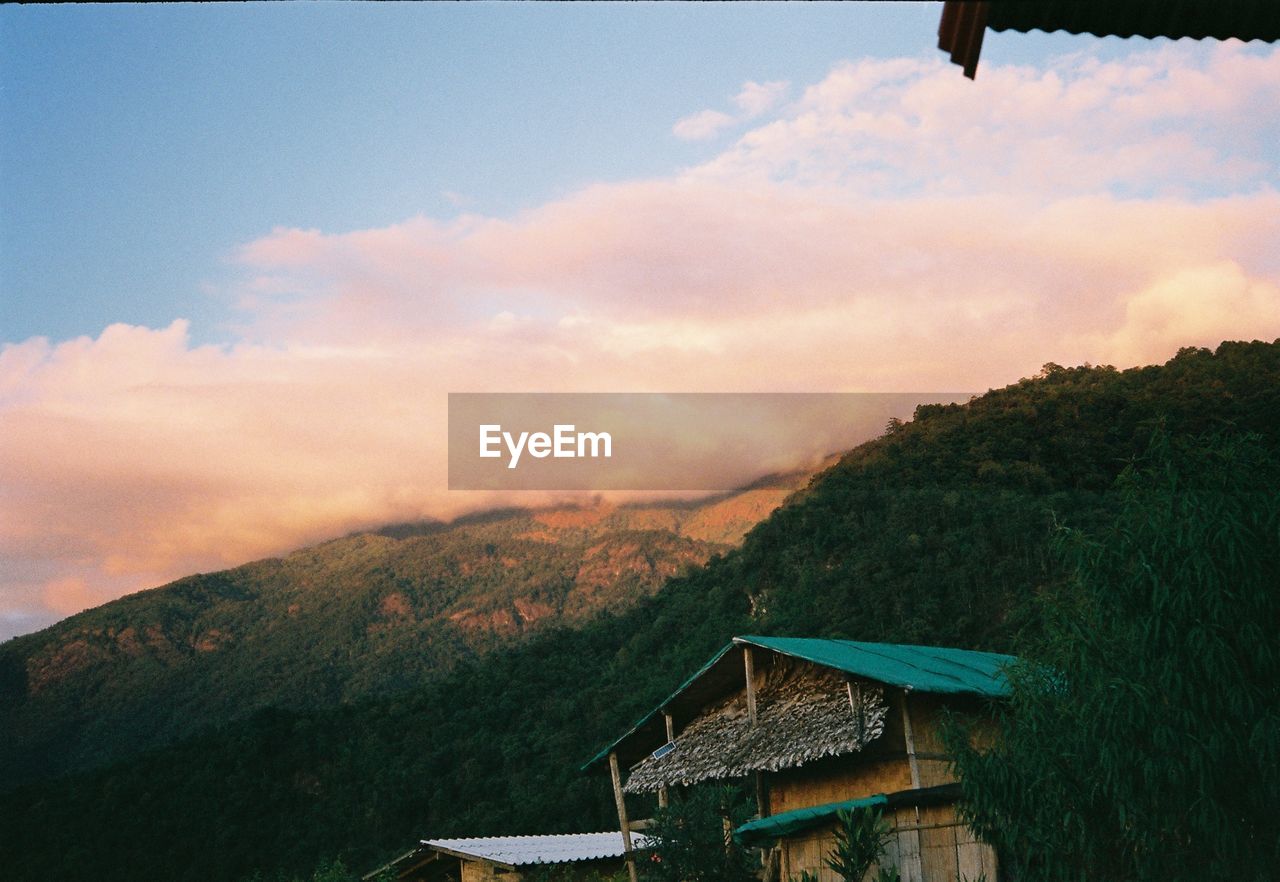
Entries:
{"x":247,"y":250}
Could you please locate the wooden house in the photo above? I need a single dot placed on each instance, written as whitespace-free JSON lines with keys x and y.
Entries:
{"x":818,"y":726}
{"x":509,"y":858}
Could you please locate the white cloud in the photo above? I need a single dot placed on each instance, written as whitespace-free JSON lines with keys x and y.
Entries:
{"x":1174,"y":119}
{"x":702,"y":126}
{"x":752,"y":101}
{"x":757,"y":98}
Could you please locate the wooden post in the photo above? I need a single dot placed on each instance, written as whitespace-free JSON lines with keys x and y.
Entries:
{"x":622,"y":814}
{"x":911,"y":742}
{"x":663,"y":798}
{"x":910,"y":739}
{"x":910,"y":859}
{"x":749,"y":670}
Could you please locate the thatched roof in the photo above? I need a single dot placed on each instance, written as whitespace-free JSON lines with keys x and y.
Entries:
{"x":931,"y":669}
{"x":804,"y":712}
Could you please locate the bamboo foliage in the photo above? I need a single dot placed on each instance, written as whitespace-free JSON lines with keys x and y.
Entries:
{"x":1143,"y":741}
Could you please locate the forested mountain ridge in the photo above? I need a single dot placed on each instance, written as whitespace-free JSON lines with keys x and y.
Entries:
{"x":369,"y":614}
{"x":940,"y":532}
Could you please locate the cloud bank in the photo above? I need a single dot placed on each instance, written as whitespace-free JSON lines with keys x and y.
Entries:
{"x":894,"y":228}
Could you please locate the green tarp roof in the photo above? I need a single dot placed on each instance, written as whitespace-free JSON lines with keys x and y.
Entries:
{"x":919,"y":668}
{"x":763,"y":830}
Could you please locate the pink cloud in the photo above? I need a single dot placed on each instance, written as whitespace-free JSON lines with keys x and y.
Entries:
{"x":1200,"y":305}
{"x":72,"y":594}
{"x":612,"y":254}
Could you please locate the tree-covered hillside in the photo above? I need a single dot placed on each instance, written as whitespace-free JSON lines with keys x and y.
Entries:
{"x":367,"y":615}
{"x":939,"y":532}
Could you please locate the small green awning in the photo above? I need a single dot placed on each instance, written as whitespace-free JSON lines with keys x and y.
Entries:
{"x":765,"y":830}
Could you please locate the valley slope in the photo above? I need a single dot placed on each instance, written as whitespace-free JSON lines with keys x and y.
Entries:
{"x":366,"y":615}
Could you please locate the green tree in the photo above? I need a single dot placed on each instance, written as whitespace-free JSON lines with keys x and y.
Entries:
{"x":692,"y":841}
{"x":1142,"y":741}
{"x":860,"y":840}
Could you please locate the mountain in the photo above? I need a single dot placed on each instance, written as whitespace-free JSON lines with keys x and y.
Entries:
{"x":942,"y":531}
{"x":366,"y":615}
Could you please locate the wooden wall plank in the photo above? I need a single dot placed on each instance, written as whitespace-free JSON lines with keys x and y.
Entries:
{"x":990,"y":867}
{"x":938,"y":844}
{"x":908,"y":845}
{"x":835,"y":780}
{"x":968,"y":856}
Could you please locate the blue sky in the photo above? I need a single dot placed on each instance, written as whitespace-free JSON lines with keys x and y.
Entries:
{"x":143,"y":143}
{"x":246,"y":251}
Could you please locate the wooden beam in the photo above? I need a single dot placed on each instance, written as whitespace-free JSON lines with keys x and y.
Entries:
{"x":663,"y":797}
{"x":944,"y":826}
{"x":368,"y":877}
{"x":622,"y":815}
{"x":749,"y":672}
{"x":910,"y":738}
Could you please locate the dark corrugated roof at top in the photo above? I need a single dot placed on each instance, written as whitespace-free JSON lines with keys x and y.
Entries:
{"x":1198,"y":19}
{"x":920,"y":668}
{"x":963,"y":23}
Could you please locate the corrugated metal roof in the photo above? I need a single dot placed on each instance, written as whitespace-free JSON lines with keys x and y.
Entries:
{"x":921,"y":668}
{"x":1197,"y":19}
{"x":960,"y":32}
{"x":963,"y":22}
{"x":520,"y":851}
